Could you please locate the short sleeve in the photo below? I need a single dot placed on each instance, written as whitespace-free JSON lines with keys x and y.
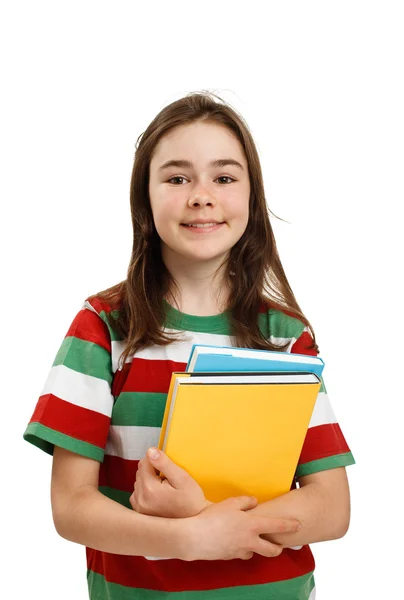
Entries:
{"x":75,"y":406}
{"x":325,"y":446}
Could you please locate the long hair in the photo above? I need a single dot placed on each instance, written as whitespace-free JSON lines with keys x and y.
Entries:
{"x":253,"y":271}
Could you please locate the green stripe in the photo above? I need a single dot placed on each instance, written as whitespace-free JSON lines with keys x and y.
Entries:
{"x":139,"y":408}
{"x":281,"y":325}
{"x":117,"y":495}
{"x":273,"y":322}
{"x":115,"y":337}
{"x":216,"y":324}
{"x":45,"y":438}
{"x":298,"y":588}
{"x":85,"y":357}
{"x":323,"y":464}
{"x":174,"y":319}
{"x":142,"y":408}
{"x":263,"y":324}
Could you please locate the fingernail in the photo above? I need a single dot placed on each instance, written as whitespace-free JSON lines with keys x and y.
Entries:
{"x":298,"y":528}
{"x":153,"y":453}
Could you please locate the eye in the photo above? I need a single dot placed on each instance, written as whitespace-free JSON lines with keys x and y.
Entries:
{"x":172,"y":179}
{"x":177,"y":177}
{"x":226,"y":177}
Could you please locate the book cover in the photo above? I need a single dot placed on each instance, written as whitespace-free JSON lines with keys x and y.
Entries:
{"x":226,"y":358}
{"x":238,"y":433}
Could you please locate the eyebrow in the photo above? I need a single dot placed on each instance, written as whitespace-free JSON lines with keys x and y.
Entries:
{"x":220,"y":162}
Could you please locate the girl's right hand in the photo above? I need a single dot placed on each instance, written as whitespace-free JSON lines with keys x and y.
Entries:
{"x":223,"y":531}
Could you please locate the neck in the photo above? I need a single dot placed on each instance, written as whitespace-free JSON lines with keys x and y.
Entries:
{"x":203,"y":304}
{"x":199,"y":289}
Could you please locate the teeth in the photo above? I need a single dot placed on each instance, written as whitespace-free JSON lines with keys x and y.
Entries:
{"x":202,"y":224}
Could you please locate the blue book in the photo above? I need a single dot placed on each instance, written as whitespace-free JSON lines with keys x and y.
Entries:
{"x":227,"y":359}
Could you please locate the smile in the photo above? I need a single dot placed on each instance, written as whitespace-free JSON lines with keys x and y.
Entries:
{"x":202,"y":228}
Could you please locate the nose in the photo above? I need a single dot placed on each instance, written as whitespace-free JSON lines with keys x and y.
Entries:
{"x":201,"y":199}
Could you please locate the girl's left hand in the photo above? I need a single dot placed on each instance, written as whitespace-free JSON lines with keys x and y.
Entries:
{"x":177,"y":496}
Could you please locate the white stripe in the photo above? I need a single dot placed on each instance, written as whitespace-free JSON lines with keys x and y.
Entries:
{"x":313,"y":594}
{"x":131,"y":441}
{"x":313,"y":591}
{"x":286,"y":340}
{"x":179,"y":351}
{"x":322,"y":413}
{"x":90,"y":307}
{"x":79,"y":389}
{"x":116,"y":350}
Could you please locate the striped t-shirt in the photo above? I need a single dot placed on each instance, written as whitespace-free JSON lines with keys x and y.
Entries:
{"x":113,"y":415}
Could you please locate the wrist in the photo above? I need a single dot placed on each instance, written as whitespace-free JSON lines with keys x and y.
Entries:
{"x":187,"y":536}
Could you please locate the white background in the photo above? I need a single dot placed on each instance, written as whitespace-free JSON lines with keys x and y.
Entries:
{"x":321,"y":87}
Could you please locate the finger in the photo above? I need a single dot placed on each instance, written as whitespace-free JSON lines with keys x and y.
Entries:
{"x":148,"y":469}
{"x":177,"y":477}
{"x":276,"y":525}
{"x":267,"y":549}
{"x":146,"y":479}
{"x":243,"y":502}
{"x":132,"y":501}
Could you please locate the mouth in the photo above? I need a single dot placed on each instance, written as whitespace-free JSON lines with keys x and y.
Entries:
{"x":202,"y":227}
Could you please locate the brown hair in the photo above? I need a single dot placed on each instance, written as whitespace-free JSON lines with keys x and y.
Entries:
{"x":254,"y":271}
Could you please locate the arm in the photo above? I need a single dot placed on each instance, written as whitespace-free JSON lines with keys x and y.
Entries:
{"x":321,"y":505}
{"x":84,"y":515}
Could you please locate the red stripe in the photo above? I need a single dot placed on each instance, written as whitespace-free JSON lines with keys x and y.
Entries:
{"x":119,"y":380}
{"x":320,"y":442}
{"x":323,"y":441}
{"x":301,"y":345}
{"x":77,"y":422}
{"x":148,"y":375}
{"x":263,"y":307}
{"x":102,"y":305}
{"x":90,"y":327}
{"x":118,"y":473}
{"x":177,"y":575}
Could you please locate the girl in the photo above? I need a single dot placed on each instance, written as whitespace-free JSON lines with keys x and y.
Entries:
{"x":204,"y":269}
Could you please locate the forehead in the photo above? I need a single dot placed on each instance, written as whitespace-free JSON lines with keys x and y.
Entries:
{"x":199,"y":142}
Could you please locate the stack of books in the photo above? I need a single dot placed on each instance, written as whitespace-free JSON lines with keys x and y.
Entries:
{"x":236,"y":419}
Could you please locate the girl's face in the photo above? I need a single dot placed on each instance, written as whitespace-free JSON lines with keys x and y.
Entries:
{"x":192,"y":181}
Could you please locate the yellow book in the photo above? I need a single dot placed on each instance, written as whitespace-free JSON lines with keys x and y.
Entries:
{"x":238,"y":433}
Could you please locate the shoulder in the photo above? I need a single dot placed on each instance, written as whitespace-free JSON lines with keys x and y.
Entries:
{"x":103,"y":310}
{"x":100,"y":306}
{"x":281,"y":322}
{"x":107,"y":303}
{"x":281,"y":326}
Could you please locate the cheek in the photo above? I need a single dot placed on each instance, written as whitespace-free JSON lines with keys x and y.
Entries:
{"x":240,"y":218}
{"x":238,"y":209}
{"x":164,"y":210}
{"x":167,"y":205}
{"x":166,"y":217}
